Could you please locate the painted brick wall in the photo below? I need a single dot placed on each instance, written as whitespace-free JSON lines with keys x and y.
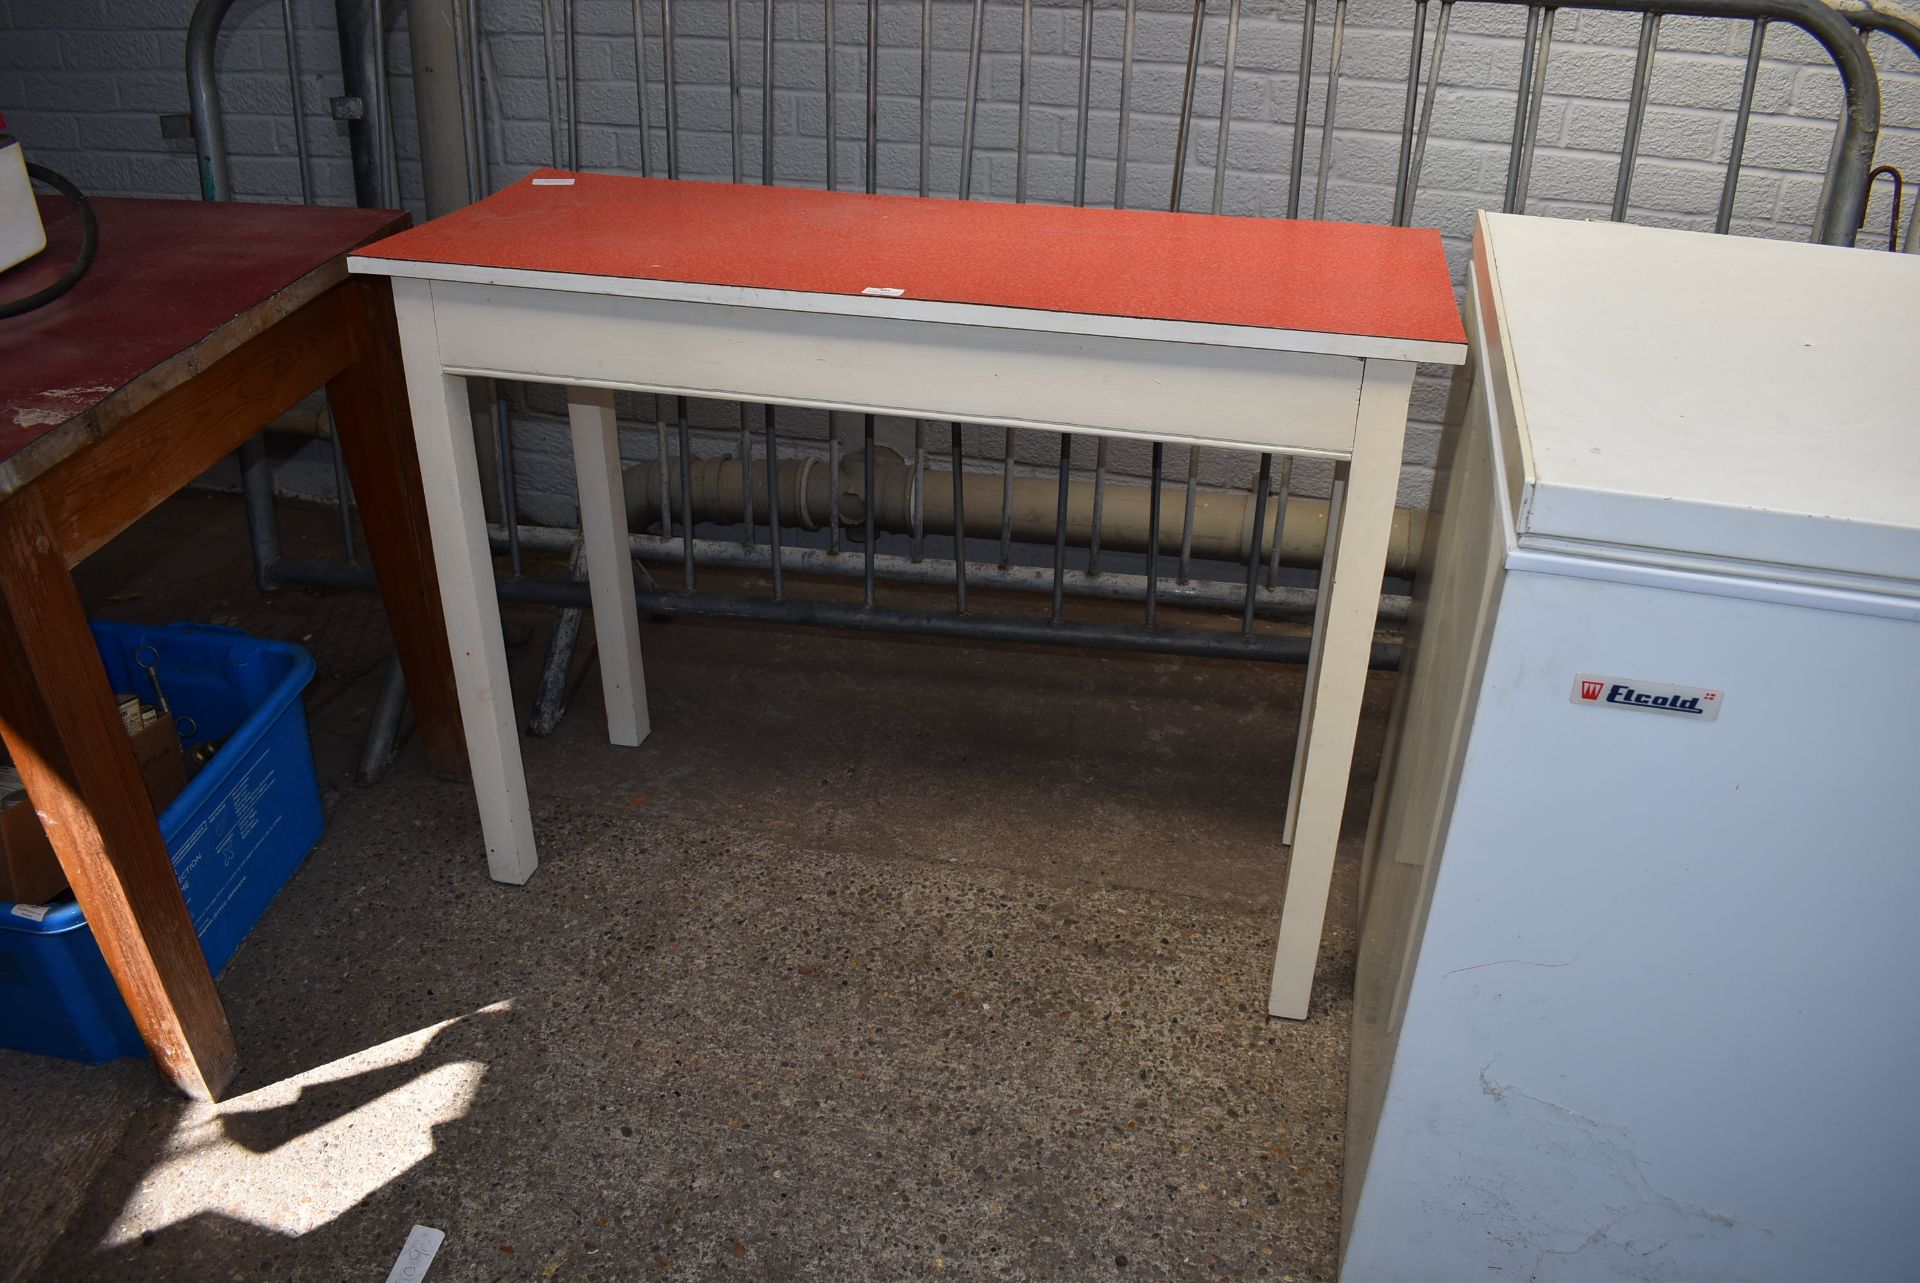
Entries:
{"x":82,"y":81}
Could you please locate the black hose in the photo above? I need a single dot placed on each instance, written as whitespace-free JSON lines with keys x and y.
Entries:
{"x":89,"y":246}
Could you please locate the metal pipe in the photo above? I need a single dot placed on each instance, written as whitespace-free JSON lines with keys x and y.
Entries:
{"x":832,"y":94}
{"x":203,"y":99}
{"x":1426,"y":112}
{"x":1022,"y":112}
{"x":1086,"y":100}
{"x":1521,"y":99}
{"x":1154,"y":484}
{"x":360,"y":77}
{"x":437,"y":107}
{"x":767,"y":83}
{"x":1186,"y":521}
{"x":1636,"y":112}
{"x":1006,"y":498}
{"x":973,"y":101}
{"x":1253,"y":544}
{"x":773,"y":502}
{"x":573,"y":83}
{"x":959,"y":525}
{"x":552,"y":68}
{"x":1327,"y":117}
{"x":873,"y":96}
{"x":1723,"y":219}
{"x":670,"y":84}
{"x":1536,"y":99}
{"x":1099,"y":503}
{"x":1126,"y":93}
{"x":1228,"y":66}
{"x":1194,"y":642}
{"x":733,"y":97}
{"x":866,"y":502}
{"x":376,"y":755}
{"x":926,"y":92}
{"x":686,"y":491}
{"x":384,"y":104}
{"x":550,"y":696}
{"x":1186,"y":104}
{"x":1219,"y":531}
{"x":1300,"y":98}
{"x":1407,"y":115}
{"x":640,"y":82}
{"x":1060,"y":523}
{"x":298,"y":102}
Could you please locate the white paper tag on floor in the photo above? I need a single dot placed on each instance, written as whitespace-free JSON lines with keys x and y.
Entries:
{"x":422,"y":1243}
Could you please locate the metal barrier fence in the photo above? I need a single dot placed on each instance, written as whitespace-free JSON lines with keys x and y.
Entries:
{"x":780,"y":513}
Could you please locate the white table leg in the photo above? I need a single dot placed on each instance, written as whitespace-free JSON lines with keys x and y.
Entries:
{"x":1349,"y":603}
{"x":450,"y":477}
{"x":1336,"y":505}
{"x":603,"y":525}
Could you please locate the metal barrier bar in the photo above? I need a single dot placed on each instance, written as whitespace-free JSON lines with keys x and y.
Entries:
{"x":1086,"y":100}
{"x":973,"y":99}
{"x":959,"y":526}
{"x":1253,"y":544}
{"x":1060,"y":524}
{"x":1153,"y":529}
{"x":1750,"y":80}
{"x":553,"y":80}
{"x":1026,"y":103}
{"x":1407,"y":116}
{"x":1333,"y":99}
{"x":1536,"y":98}
{"x":1636,"y":112}
{"x":873,"y":96}
{"x":640,"y":87}
{"x":1186,"y":522}
{"x":573,"y":83}
{"x":1300,"y":98}
{"x":1426,"y":113}
{"x":1186,"y":103}
{"x":1522,"y":98}
{"x":734,"y":108}
{"x":1229,"y":64}
{"x":1006,"y":498}
{"x":1099,"y":503}
{"x":773,"y":503}
{"x":867,"y":502}
{"x":686,"y":490}
{"x":1126,"y":95}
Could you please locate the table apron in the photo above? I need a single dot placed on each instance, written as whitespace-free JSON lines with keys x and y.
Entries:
{"x":1298,"y":403}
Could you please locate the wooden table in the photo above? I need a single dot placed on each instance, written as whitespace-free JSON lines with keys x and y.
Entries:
{"x":198,"y":325}
{"x":1259,"y":334}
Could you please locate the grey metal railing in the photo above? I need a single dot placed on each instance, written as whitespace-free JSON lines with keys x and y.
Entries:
{"x":978,"y":547}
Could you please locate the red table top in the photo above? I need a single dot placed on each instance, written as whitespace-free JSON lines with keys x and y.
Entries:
{"x":1283,"y":274}
{"x":168,"y":275}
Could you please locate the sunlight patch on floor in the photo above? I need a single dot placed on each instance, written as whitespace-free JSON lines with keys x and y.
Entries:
{"x":295,"y":1155}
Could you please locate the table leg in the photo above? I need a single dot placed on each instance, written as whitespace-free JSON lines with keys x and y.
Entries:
{"x":603,"y":526}
{"x":1336,"y":506}
{"x":369,"y":401}
{"x":450,"y":480}
{"x":58,"y":718}
{"x":1350,"y":602}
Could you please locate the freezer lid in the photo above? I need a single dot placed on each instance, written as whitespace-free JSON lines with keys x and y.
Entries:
{"x":1713,"y":400}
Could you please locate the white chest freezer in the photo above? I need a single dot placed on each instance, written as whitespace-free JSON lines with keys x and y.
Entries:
{"x":1639,"y":980}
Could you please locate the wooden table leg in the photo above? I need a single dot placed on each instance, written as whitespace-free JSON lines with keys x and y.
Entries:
{"x":1349,"y":605}
{"x":369,"y":400}
{"x":59,"y":721}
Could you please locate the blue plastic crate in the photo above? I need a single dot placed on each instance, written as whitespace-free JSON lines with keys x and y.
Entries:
{"x":236,"y":834}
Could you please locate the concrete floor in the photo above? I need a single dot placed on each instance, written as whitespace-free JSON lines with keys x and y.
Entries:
{"x":880,"y":959}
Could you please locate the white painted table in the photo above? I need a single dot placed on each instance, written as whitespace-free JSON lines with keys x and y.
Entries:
{"x":1257,"y":334}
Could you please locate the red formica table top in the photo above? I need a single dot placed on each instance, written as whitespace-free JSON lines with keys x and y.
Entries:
{"x":169,"y":275}
{"x":1283,"y":274}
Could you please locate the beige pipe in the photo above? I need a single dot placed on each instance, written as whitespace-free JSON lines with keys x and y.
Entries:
{"x":1221,"y":519}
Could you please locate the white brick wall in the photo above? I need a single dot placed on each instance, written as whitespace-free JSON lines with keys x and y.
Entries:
{"x":82,"y":81}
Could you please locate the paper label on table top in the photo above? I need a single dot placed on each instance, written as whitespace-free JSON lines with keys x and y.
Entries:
{"x":416,"y":1255}
{"x":553,"y":182}
{"x":884,"y":291}
{"x":31,"y":912}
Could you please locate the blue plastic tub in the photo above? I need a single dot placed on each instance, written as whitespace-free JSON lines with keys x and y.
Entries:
{"x":236,"y":834}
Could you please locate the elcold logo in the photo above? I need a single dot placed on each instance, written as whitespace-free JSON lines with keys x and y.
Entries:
{"x":1697,"y":702}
